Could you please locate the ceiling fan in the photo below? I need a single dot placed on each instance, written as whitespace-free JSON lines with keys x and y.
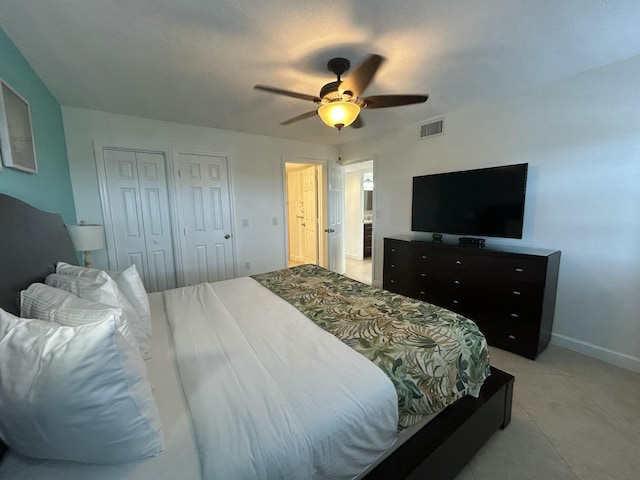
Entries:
{"x":340,"y":101}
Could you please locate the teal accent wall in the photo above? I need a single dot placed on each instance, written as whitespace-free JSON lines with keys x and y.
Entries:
{"x":49,"y":189}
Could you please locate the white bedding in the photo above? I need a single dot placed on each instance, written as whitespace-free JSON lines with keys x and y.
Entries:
{"x":179,"y":459}
{"x":271,"y":394}
{"x":311,"y":407}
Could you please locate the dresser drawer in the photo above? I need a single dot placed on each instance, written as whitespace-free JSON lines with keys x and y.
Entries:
{"x":394,"y":280}
{"x":463,"y":304}
{"x":425,"y":288}
{"x":397,"y":253}
{"x":519,"y":269}
{"x":520,"y":294}
{"x":513,"y":268}
{"x":510,"y":335}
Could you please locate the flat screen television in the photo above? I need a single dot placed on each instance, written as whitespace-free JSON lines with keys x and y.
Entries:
{"x":487,"y":202}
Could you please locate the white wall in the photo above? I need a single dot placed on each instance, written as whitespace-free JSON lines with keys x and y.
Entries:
{"x":256,"y":166}
{"x":581,"y":138}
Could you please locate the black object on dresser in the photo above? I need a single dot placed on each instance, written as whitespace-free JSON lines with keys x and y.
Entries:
{"x":510,"y":292}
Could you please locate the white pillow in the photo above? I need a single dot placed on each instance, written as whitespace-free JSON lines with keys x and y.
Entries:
{"x":75,"y":393}
{"x":131,"y":286}
{"x":44,"y":302}
{"x":98,"y":286}
{"x":129,"y":283}
{"x":56,"y":305}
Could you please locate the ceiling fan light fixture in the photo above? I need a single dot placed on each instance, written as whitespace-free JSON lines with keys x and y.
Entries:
{"x":339,"y":114}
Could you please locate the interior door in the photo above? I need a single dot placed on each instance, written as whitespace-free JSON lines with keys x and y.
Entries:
{"x":335,"y":216}
{"x":310,"y":201}
{"x":208,"y":245}
{"x":139,"y":219}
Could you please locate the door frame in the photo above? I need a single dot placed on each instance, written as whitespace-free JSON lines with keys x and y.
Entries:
{"x":348,"y":220}
{"x":316,"y":213}
{"x":98,"y":149}
{"x":178,"y":205}
{"x":374,"y":159}
{"x":322,"y":206}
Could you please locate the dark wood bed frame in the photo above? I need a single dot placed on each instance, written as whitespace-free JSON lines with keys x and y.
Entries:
{"x":33,"y":241}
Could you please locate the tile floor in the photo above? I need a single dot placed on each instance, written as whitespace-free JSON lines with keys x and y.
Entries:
{"x":574,"y":417}
{"x":358,"y":269}
{"x":294,"y":263}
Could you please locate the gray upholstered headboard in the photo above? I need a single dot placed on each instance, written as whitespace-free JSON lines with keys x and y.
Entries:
{"x":31,"y":243}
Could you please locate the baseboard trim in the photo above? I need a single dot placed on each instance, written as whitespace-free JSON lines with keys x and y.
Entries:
{"x":610,"y":356}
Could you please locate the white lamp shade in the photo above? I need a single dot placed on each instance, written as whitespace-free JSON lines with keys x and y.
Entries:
{"x":86,"y":237}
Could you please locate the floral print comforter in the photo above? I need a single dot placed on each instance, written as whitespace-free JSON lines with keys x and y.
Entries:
{"x":432,"y":355}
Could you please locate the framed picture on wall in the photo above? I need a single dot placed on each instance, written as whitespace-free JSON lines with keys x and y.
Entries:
{"x":16,"y":135}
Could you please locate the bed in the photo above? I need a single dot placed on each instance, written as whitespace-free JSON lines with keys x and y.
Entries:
{"x":437,"y":444}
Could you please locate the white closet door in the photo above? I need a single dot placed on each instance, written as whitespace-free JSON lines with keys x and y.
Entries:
{"x":208,"y":246}
{"x":138,"y":208}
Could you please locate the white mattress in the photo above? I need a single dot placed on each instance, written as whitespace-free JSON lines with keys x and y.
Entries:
{"x":272,"y":395}
{"x":180,"y":458}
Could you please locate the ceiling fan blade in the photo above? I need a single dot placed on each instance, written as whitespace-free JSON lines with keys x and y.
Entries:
{"x":358,"y":80}
{"x":300,"y":117}
{"x":384,"y":101}
{"x":279,"y":91}
{"x":359,"y":123}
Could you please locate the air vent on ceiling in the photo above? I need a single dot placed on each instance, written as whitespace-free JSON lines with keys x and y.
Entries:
{"x":432,"y":128}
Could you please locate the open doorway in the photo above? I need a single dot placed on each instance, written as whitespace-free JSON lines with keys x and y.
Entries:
{"x":304,"y":214}
{"x":358,"y":222}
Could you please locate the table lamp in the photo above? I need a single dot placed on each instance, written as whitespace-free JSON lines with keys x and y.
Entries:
{"x":86,"y":237}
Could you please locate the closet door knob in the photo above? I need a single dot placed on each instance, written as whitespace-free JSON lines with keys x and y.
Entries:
{"x":227,"y":236}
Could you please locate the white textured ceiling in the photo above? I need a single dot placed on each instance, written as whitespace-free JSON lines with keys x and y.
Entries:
{"x":196,"y":61}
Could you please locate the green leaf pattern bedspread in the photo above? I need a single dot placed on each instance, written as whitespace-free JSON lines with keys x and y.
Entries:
{"x":433,"y":356}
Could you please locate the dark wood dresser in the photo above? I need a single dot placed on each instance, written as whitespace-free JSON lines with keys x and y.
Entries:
{"x":510,"y":292}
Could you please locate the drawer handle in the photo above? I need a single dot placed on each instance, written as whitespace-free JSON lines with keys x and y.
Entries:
{"x":516,"y":292}
{"x":456,"y":302}
{"x":393,"y":249}
{"x":424,"y":256}
{"x":422,"y":292}
{"x":457,"y":282}
{"x":520,"y":270}
{"x":423,"y":274}
{"x":392,"y":281}
{"x":458,"y":262}
{"x":515,"y":315}
{"x":511,"y":337}
{"x":392,"y":265}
